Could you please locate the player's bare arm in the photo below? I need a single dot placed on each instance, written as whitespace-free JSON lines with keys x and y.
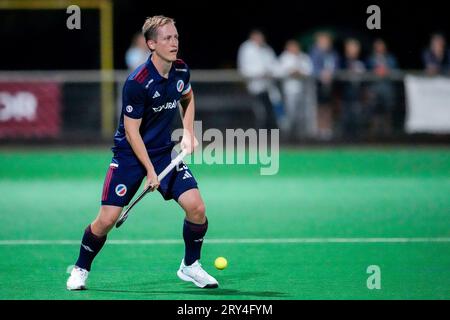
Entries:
{"x":137,"y":144}
{"x":188,"y":142}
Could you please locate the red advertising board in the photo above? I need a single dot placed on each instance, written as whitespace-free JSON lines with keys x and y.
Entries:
{"x":30,"y":109}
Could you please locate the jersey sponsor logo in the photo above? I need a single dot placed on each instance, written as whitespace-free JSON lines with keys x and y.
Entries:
{"x":168,"y":105}
{"x":156,"y":95}
{"x":121,"y":190}
{"x":129,"y":108}
{"x":181,"y":70}
{"x":180,"y":85}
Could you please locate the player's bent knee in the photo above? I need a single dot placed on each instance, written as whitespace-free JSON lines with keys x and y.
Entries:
{"x":108,"y":221}
{"x":197,"y":213}
{"x":107,"y":218}
{"x":199,"y":209}
{"x":101,"y":226}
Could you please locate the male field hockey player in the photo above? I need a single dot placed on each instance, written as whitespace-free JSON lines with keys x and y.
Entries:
{"x":143,"y":148}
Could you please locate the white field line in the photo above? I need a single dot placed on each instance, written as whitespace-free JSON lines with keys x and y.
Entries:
{"x":232,"y":241}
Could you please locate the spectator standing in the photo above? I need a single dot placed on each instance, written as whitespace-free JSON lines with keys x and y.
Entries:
{"x":382,"y":97}
{"x":325,"y":63}
{"x":437,"y":57}
{"x":257,"y":64}
{"x":137,"y":53}
{"x":354,"y":112}
{"x":294,"y":66}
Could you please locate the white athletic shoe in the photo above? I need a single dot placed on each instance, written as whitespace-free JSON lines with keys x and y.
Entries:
{"x":77,"y":279}
{"x":195,"y":273}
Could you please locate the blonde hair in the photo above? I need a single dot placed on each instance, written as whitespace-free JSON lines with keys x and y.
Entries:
{"x":151,"y":25}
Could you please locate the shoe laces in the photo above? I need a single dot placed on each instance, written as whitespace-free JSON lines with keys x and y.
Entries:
{"x":199,"y":271}
{"x":82,"y":272}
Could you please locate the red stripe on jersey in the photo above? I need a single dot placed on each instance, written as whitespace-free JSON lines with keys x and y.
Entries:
{"x":179,"y":61}
{"x":140,"y":72}
{"x":141,"y":75}
{"x":107,"y":183}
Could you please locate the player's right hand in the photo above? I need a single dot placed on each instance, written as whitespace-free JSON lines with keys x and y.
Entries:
{"x":152,"y":180}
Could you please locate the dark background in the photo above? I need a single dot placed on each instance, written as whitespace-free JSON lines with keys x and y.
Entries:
{"x":211,"y":31}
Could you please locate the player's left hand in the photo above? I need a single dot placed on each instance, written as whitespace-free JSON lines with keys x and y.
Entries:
{"x":189,"y":142}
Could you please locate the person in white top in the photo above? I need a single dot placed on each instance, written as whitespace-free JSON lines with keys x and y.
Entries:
{"x":257,"y":64}
{"x":294,"y":66}
{"x":137,"y":53}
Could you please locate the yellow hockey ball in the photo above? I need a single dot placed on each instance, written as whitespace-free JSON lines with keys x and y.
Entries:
{"x":220,"y":263}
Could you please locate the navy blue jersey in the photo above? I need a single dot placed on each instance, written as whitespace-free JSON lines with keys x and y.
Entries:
{"x":154,"y":99}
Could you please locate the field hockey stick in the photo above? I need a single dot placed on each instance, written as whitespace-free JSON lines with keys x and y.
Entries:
{"x":173,"y":163}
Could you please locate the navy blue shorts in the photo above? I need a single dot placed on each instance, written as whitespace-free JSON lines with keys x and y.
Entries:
{"x":126,"y":173}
